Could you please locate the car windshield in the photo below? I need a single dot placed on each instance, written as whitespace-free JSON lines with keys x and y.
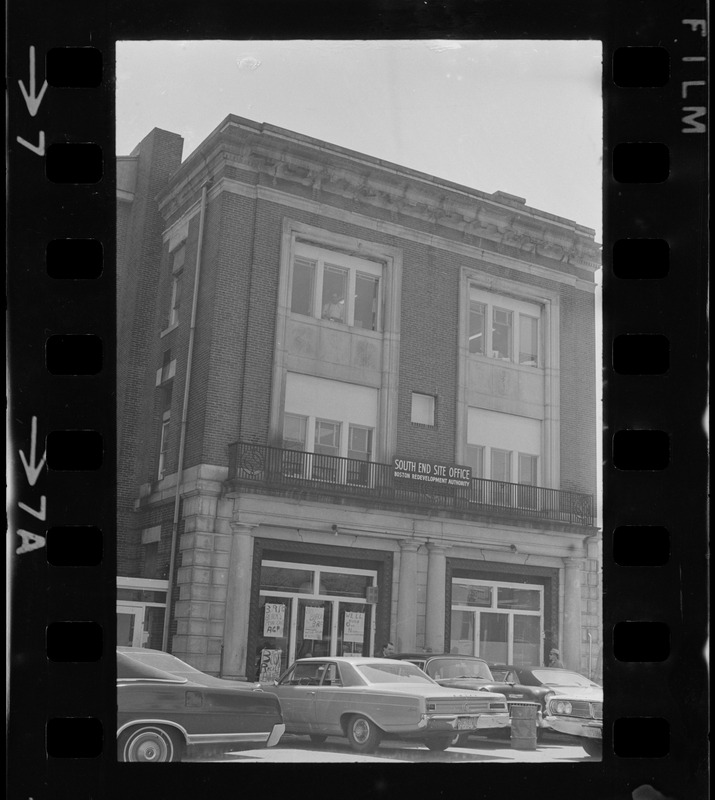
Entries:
{"x":562,"y":677}
{"x":445,"y":668}
{"x":499,"y":674}
{"x":164,"y":661}
{"x":380,"y":672}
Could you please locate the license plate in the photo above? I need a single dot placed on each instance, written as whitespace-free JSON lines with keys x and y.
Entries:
{"x":466,"y":723}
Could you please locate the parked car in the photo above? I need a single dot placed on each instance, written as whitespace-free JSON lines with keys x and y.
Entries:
{"x":471,"y":672}
{"x":573,"y":704}
{"x":165,"y":704}
{"x":368,"y":699}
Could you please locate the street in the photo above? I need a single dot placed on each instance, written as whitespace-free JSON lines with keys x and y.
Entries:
{"x":552,"y":748}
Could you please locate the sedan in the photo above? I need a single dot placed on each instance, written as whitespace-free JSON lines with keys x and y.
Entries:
{"x":573,"y":704}
{"x":368,"y":699}
{"x":165,"y":704}
{"x":470,"y":672}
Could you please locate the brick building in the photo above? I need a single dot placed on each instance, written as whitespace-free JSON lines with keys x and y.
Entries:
{"x":378,"y":389}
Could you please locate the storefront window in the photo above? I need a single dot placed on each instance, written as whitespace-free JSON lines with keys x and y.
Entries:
{"x":274,"y":630}
{"x":283,"y":579}
{"x":344,"y":585}
{"x":522,"y":599}
{"x":465,"y":594}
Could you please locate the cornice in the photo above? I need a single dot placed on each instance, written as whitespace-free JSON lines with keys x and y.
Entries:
{"x":386,"y":192}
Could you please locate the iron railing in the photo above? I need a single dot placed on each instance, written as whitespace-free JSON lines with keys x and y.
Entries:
{"x":285,"y":469}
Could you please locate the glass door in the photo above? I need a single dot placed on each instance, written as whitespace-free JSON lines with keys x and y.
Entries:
{"x":494,"y":637}
{"x":354,"y":626}
{"x":130,"y":626}
{"x":314,"y":635}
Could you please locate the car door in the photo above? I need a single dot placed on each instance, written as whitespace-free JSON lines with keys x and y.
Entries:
{"x":297,"y":693}
{"x":329,"y":701}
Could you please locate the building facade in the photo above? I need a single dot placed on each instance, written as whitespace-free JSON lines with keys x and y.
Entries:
{"x":356,"y":403}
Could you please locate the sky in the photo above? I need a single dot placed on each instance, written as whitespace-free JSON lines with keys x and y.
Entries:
{"x":523,"y":117}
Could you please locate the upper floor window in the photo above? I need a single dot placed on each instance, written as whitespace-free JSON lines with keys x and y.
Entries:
{"x":504,"y":328}
{"x":336,"y":287}
{"x":177,"y":283}
{"x":423,"y":406}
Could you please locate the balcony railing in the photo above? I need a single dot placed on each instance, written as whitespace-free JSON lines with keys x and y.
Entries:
{"x":278,"y":468}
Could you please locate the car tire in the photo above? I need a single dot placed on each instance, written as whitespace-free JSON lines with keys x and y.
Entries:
{"x":593,"y":747}
{"x":150,"y":744}
{"x":364,"y":736}
{"x":439,"y":743}
{"x":318,"y":738}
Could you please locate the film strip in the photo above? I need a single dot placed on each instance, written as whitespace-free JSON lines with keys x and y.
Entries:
{"x":62,"y":391}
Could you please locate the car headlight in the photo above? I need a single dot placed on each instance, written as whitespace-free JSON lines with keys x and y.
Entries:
{"x":561,"y":706}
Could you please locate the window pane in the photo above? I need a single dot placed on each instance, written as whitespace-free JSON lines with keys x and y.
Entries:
{"x":335,"y":282}
{"x":528,"y":350}
{"x":360,"y":445}
{"x":477,"y":315}
{"x":501,"y":333}
{"x":327,"y":437}
{"x":462,"y":633}
{"x":178,"y":258}
{"x":527,"y":469}
{"x":501,"y":465}
{"x":422,"y":409}
{"x":474,"y":456}
{"x":366,"y":292}
{"x":523,"y":599}
{"x":303,"y":287}
{"x":294,"y":428}
{"x":467,"y":594}
{"x":285,"y":579}
{"x":527,"y":639}
{"x":337,"y":583}
{"x":493,"y":637}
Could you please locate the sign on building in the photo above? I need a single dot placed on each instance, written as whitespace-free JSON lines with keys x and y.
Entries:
{"x":433,"y":472}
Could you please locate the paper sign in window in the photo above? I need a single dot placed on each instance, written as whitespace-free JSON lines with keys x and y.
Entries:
{"x":313,"y":622}
{"x":354,"y":626}
{"x":273,"y":620}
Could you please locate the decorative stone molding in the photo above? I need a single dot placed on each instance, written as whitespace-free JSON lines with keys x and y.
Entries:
{"x":301,"y":164}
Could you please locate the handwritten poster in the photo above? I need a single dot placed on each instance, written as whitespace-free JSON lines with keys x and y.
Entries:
{"x":354,"y":626}
{"x":273,"y":620}
{"x":313,"y":623}
{"x":270,"y":665}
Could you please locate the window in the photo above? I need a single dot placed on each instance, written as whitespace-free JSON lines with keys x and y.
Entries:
{"x":327,"y":437}
{"x":177,"y":283}
{"x":163,"y":444}
{"x":335,"y":287}
{"x":503,"y":328}
{"x":167,"y":370}
{"x":294,"y":431}
{"x":496,"y":443}
{"x":527,"y":469}
{"x":423,"y":409}
{"x":501,"y":465}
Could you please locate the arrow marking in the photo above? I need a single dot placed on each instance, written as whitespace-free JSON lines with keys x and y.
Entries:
{"x":39,"y":148}
{"x":39,"y":514}
{"x":31,"y":99}
{"x":31,"y":469}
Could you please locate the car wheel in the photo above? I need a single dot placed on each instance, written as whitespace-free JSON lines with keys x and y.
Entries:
{"x":318,"y":738}
{"x":593,"y":747}
{"x":439,"y":742}
{"x":364,"y":736}
{"x":150,"y":744}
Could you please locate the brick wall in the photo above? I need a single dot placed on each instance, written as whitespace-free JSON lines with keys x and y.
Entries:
{"x":139,"y":255}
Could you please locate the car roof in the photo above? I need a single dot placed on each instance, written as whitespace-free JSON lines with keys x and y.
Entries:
{"x":347,"y":659}
{"x":427,"y":656}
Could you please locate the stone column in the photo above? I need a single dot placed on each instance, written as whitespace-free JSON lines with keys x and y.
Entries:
{"x":571,"y":655}
{"x":407,"y":597}
{"x":238,"y":602}
{"x":436,"y":596}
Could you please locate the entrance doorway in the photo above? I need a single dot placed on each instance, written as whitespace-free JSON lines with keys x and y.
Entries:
{"x":499,"y":622}
{"x":311,"y":610}
{"x":130,"y":626}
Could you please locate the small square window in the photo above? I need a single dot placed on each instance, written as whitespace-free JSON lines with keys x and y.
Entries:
{"x":423,"y":409}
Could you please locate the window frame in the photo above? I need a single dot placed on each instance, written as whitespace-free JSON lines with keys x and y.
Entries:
{"x":163,"y":444}
{"x":431,"y":411}
{"x":518,"y":309}
{"x":323,"y":260}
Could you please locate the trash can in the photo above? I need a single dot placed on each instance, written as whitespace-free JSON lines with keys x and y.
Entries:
{"x":523,"y":725}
